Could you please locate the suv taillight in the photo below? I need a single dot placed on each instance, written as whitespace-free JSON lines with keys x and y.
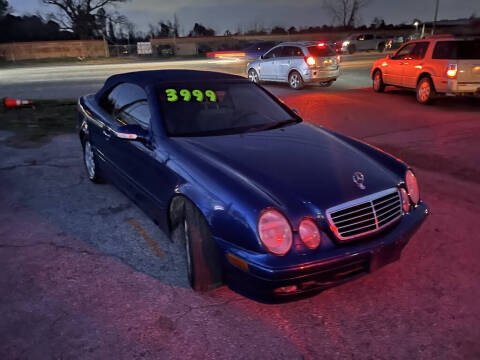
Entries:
{"x":310,"y":60}
{"x":452,"y":71}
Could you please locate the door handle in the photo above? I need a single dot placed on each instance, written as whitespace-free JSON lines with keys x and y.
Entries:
{"x":107,"y":134}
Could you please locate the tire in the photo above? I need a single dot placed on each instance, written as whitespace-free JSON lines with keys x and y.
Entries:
{"x":377,"y":82}
{"x":425,"y":91}
{"x":253,"y":76}
{"x":381,"y":47}
{"x":191,"y":231}
{"x":91,"y":163}
{"x":295,"y":80}
{"x":327,"y":83}
{"x":351,"y":49}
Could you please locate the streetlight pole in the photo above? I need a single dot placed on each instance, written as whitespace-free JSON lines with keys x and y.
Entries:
{"x":436,"y":16}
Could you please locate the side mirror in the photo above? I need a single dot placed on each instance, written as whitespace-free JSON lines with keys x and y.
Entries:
{"x":261,"y":57}
{"x":131,"y":132}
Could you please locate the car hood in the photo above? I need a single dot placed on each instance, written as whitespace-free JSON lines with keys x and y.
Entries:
{"x":298,"y":165}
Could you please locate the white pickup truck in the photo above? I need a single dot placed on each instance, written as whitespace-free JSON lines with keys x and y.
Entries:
{"x":363,"y":42}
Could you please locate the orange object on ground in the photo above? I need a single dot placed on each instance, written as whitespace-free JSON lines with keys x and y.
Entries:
{"x":11,"y":103}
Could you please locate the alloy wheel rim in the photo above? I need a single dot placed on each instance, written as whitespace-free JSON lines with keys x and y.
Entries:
{"x":294,"y":81}
{"x":187,"y":249}
{"x":253,"y":76}
{"x":89,"y":160}
{"x":376,"y":81}
{"x":424,"y":91}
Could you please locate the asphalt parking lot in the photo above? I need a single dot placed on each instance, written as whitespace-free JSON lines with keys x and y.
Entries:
{"x":84,"y":274}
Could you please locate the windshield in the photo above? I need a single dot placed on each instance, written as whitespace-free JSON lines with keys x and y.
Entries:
{"x":321,"y":51}
{"x":457,"y":50}
{"x":219,"y":108}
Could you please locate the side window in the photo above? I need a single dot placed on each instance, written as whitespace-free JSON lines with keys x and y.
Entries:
{"x":419,"y":51}
{"x":274,"y":53}
{"x":287,"y":51}
{"x":404,"y":51}
{"x":369,"y":37}
{"x":137,"y":113}
{"x":297,"y":51}
{"x":121,"y":96}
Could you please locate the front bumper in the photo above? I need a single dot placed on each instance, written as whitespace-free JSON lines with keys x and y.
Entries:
{"x":356,"y":259}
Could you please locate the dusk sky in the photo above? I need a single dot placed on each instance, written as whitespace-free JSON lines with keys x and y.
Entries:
{"x":243,"y":14}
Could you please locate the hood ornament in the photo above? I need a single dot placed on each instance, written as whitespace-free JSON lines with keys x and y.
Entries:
{"x":359,"y":179}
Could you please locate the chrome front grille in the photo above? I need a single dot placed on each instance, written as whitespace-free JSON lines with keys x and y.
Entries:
{"x":365,"y":215}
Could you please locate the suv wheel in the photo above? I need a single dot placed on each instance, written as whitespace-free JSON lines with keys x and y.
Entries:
{"x":351,"y":49}
{"x":425,"y":90}
{"x":295,"y":80}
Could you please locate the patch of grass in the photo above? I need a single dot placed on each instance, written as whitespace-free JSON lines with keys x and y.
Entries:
{"x":33,"y":126}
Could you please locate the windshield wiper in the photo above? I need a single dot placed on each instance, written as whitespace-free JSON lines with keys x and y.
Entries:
{"x":281,"y":124}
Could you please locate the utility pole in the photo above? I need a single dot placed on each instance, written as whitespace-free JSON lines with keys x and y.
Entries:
{"x":436,"y":16}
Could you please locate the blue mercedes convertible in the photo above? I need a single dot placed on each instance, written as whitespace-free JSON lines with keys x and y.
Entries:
{"x":259,"y":199}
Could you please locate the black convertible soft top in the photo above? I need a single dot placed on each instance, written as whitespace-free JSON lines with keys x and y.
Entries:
{"x":153,"y":77}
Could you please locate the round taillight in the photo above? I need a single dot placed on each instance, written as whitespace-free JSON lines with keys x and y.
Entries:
{"x":310,"y":60}
{"x":412,"y":186}
{"x":309,"y":233}
{"x":405,"y":200}
{"x":275,"y":232}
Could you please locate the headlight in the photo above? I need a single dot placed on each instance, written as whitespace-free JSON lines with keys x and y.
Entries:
{"x":412,"y":186}
{"x":275,"y":232}
{"x":346,"y":43}
{"x":405,"y":200}
{"x":309,"y":233}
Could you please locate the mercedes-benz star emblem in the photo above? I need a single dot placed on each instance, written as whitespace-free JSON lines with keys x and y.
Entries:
{"x":359,"y":179}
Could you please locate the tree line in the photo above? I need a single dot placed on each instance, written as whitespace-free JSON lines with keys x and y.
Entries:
{"x":98,"y":19}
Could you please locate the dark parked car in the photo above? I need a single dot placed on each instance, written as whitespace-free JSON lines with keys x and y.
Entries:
{"x":261,"y":200}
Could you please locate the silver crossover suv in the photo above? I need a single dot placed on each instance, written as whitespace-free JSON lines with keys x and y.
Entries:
{"x":297,"y":63}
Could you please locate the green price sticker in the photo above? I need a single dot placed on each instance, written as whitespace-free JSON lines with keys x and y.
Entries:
{"x":186,"y":95}
{"x":171,"y":95}
{"x":198,"y":95}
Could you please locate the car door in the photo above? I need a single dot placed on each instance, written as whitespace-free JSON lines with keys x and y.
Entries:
{"x":269,"y":66}
{"x":285,"y":62}
{"x":369,"y":42}
{"x":413,"y":64}
{"x":393,"y":71}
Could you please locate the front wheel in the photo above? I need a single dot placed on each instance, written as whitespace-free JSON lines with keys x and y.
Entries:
{"x":378,"y":84}
{"x":201,"y":254}
{"x":425,"y":91}
{"x":295,"y":80}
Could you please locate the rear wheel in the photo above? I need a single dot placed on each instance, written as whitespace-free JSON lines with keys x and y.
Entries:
{"x":191,"y":231}
{"x":91,"y":163}
{"x":381,"y":47}
{"x":295,"y":80}
{"x":351,"y":49}
{"x":253,"y":76}
{"x":378,"y":84}
{"x":425,"y":91}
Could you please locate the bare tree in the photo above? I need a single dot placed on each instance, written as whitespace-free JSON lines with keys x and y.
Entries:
{"x":345,"y":12}
{"x":81,"y":16}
